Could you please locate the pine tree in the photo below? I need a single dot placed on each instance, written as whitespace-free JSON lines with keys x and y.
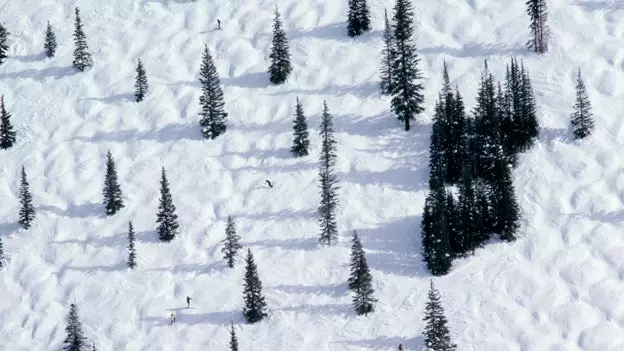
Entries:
{"x":467,"y":215}
{"x":280,"y":67}
{"x":455,"y":136}
{"x":49,"y":45}
{"x":528,"y":124}
{"x":451,"y":215}
{"x":505,"y":204}
{"x":407,"y":96}
{"x":82,"y":57}
{"x":436,"y":245}
{"x":166,"y":217}
{"x":140,"y":85}
{"x":437,"y":144}
{"x":131,"y":250}
{"x":301,"y":142}
{"x":4,"y":43}
{"x":436,"y":333}
{"x":362,"y":282}
{"x":113,"y":197}
{"x":255,"y":304}
{"x":1,"y":253}
{"x":7,"y":134}
{"x":212,"y":113}
{"x":387,"y":57}
{"x":328,"y":180}
{"x":582,"y":122}
{"x":356,"y":253}
{"x":358,"y":19}
{"x":233,"y":339}
{"x":27,"y":211}
{"x":75,"y":339}
{"x":231,"y":243}
{"x":536,"y":10}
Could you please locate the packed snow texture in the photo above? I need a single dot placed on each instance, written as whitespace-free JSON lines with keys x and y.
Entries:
{"x":558,"y":287}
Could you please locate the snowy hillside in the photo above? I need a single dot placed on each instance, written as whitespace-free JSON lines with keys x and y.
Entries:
{"x":558,"y":287}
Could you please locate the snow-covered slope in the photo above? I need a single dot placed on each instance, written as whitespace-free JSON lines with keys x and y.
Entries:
{"x":559,"y":287}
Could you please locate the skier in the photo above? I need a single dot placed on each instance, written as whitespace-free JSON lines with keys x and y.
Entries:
{"x":400,"y":347}
{"x":172,"y":318}
{"x":218,"y":23}
{"x":268,"y":183}
{"x":188,"y":302}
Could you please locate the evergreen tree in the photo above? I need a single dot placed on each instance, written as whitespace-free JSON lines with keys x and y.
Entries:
{"x":528,"y":124}
{"x":231,"y":243}
{"x":82,"y":57}
{"x":255,"y":304}
{"x":536,"y":10}
{"x":505,"y":204}
{"x":387,"y":57}
{"x":140,"y":85}
{"x":436,"y":245}
{"x":358,"y":19}
{"x":455,"y":130}
{"x":362,"y":282}
{"x":328,"y":180}
{"x":233,"y":339}
{"x":113,"y":197}
{"x":27,"y":211}
{"x":49,"y":45}
{"x":467,"y":235}
{"x":212,"y":113}
{"x":75,"y":339}
{"x":131,"y":250}
{"x":7,"y":134}
{"x":356,"y":253}
{"x":407,"y":96}
{"x":437,"y":144}
{"x":1,"y":253}
{"x":484,"y":208}
{"x":166,"y":217}
{"x":301,"y":142}
{"x":582,"y":121}
{"x":280,"y":67}
{"x":451,"y":214}
{"x":436,"y":333}
{"x":4,"y":43}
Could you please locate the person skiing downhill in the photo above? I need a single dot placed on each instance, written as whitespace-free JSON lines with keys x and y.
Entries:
{"x":400,"y":347}
{"x":268,"y":183}
{"x":218,"y":24}
{"x":188,"y":302}
{"x":172,"y":317}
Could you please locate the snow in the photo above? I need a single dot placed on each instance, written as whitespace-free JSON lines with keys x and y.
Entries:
{"x":556,"y":288}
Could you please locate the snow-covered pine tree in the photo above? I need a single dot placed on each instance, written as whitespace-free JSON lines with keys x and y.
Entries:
{"x":356,"y":252}
{"x":82,"y":57}
{"x":467,"y":215}
{"x":363,"y":300}
{"x":75,"y":339}
{"x":255,"y":305}
{"x":436,"y":245}
{"x":364,"y":15}
{"x":437,"y":157}
{"x":231,"y":243}
{"x":233,"y":339}
{"x":455,"y":130}
{"x":537,"y":11}
{"x":211,"y":101}
{"x":451,"y":215}
{"x":358,"y":18}
{"x":301,"y":140}
{"x":27,"y":210}
{"x":387,"y":57}
{"x":328,"y":180}
{"x":7,"y":134}
{"x":280,"y":67}
{"x":529,"y":126}
{"x":49,"y":44}
{"x":131,"y":250}
{"x":1,"y":253}
{"x":141,"y":87}
{"x":582,"y":121}
{"x":4,"y":43}
{"x":166,"y":218}
{"x":407,"y":96}
{"x":113,"y":197}
{"x":436,"y":333}
{"x":504,"y":203}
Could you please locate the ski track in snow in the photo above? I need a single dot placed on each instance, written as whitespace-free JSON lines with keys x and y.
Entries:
{"x":559,"y":287}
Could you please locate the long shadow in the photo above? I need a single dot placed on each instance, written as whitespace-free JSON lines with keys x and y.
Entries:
{"x":28,"y":58}
{"x":295,"y":244}
{"x":386,"y":343}
{"x":365,"y":91}
{"x":281,"y":215}
{"x":184,"y":316}
{"x":147,"y":236}
{"x":88,"y":210}
{"x":550,"y":135}
{"x":8,"y":228}
{"x":113,"y":99}
{"x":335,"y":309}
{"x":333,"y":290}
{"x":41,"y":74}
{"x":332,"y":31}
{"x":214,"y":267}
{"x":255,"y":80}
{"x":170,"y":132}
{"x":473,"y":50}
{"x":600,"y":5}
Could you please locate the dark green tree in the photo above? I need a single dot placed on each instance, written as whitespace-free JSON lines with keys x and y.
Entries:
{"x":454,"y":135}
{"x":1,"y":253}
{"x":301,"y":141}
{"x":506,"y":211}
{"x":356,"y":252}
{"x":280,"y":67}
{"x":7,"y":134}
{"x":466,"y":238}
{"x":131,"y":250}
{"x":75,"y":339}
{"x":82,"y":57}
{"x":255,"y":304}
{"x":387,"y":57}
{"x":436,"y":333}
{"x":486,"y":220}
{"x":437,"y":144}
{"x":358,"y":19}
{"x":212,"y":113}
{"x":4,"y":43}
{"x":113,"y":197}
{"x":166,"y":218}
{"x":328,"y":180}
{"x":49,"y":45}
{"x":141,"y":87}
{"x":27,"y":210}
{"x":361,"y":280}
{"x":538,"y":13}
{"x":451,"y":214}
{"x":231,"y":243}
{"x":436,"y":245}
{"x":582,"y":121}
{"x":233,"y":339}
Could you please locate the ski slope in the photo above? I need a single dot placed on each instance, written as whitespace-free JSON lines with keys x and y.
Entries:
{"x":559,"y":287}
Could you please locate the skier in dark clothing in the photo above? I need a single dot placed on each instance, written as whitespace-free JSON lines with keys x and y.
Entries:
{"x":268,"y":183}
{"x":188,"y":302}
{"x":400,"y":347}
{"x":219,"y":24}
{"x":172,"y":318}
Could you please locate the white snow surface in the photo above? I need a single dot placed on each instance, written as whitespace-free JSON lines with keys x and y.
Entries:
{"x":558,"y":287}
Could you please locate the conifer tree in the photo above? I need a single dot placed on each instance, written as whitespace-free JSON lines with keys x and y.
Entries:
{"x":75,"y":339}
{"x":436,"y":333}
{"x":4,"y":43}
{"x":387,"y":57}
{"x":49,"y":45}
{"x":358,"y":19}
{"x":528,"y":125}
{"x":436,"y":245}
{"x":437,"y":144}
{"x":212,"y":113}
{"x":301,"y":141}
{"x":7,"y":134}
{"x":113,"y":197}
{"x":356,"y":253}
{"x":140,"y":85}
{"x":582,"y":121}
{"x":131,"y":250}
{"x":255,"y":304}
{"x":536,"y":10}
{"x":407,"y":95}
{"x":166,"y":217}
{"x":451,"y":215}
{"x":467,"y":215}
{"x":361,"y":280}
{"x":27,"y":210}
{"x":455,"y":136}
{"x":233,"y":339}
{"x":505,"y":204}
{"x":1,"y":253}
{"x":82,"y":57}
{"x":231,"y":243}
{"x":328,"y":180}
{"x":280,"y":67}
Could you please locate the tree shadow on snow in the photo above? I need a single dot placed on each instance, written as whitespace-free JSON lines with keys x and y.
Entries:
{"x":273,"y":216}
{"x":41,"y":74}
{"x":255,"y":80}
{"x":550,"y":135}
{"x":335,"y":309}
{"x":147,"y":236}
{"x":87,"y":210}
{"x":295,"y":244}
{"x":473,"y":50}
{"x":600,"y":5}
{"x":364,"y":91}
{"x":170,"y":132}
{"x":386,"y":343}
{"x":332,"y":31}
{"x":8,"y":228}
{"x":185,"y":316}
{"x":332,"y":290}
{"x":196,"y":268}
{"x":28,"y":58}
{"x":113,"y":99}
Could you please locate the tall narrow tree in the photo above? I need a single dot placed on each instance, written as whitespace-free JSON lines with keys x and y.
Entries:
{"x":7,"y":134}
{"x":131,"y":250}
{"x":231,"y":243}
{"x":27,"y":210}
{"x":536,"y":10}
{"x":4,"y":43}
{"x":437,"y":251}
{"x":233,"y":339}
{"x":407,"y":96}
{"x":166,"y":218}
{"x":436,"y":333}
{"x":328,"y":180}
{"x":212,"y":113}
{"x":356,"y":253}
{"x":301,"y":141}
{"x":582,"y":121}
{"x":141,"y":87}
{"x":504,"y":203}
{"x":361,"y":280}
{"x":1,"y":253}
{"x":49,"y":44}
{"x":255,"y":305}
{"x":387,"y":57}
{"x":113,"y":197}
{"x":280,"y":67}
{"x":358,"y":18}
{"x":75,"y":339}
{"x":82,"y":57}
